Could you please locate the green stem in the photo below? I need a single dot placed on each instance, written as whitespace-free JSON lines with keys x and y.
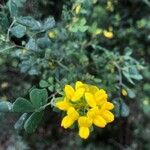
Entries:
{"x":52,"y":97}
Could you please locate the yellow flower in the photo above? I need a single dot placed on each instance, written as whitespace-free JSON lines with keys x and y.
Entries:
{"x":84,"y":125}
{"x":78,"y":85}
{"x":52,"y":34}
{"x":107,"y":106}
{"x":72,"y":116}
{"x":98,"y":98}
{"x":78,"y":9}
{"x":94,"y":115}
{"x":108,"y":34}
{"x":67,"y":122}
{"x":92,"y":89}
{"x":101,"y":97}
{"x":105,"y":113}
{"x":90,"y":99}
{"x":108,"y":116}
{"x":63,"y":105}
{"x":124,"y":92}
{"x":88,"y":88}
{"x":72,"y":94}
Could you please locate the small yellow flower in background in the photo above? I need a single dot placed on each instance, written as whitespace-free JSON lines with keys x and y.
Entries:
{"x":24,"y":51}
{"x":86,"y":105}
{"x":146,"y":102}
{"x":78,"y":9}
{"x":94,"y":1}
{"x":52,"y":34}
{"x":108,"y":34}
{"x":124,"y":92}
{"x":4,"y":85}
{"x":110,"y":6}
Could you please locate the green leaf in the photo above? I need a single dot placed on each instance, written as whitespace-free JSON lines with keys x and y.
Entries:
{"x":33,"y":121}
{"x":18,"y":31}
{"x":82,"y":21}
{"x":31,"y":45}
{"x":74,"y":29}
{"x":51,"y":88}
{"x":136,"y":77}
{"x":43,"y":84}
{"x":128,"y":51}
{"x":128,"y":77}
{"x":13,"y":9}
{"x":38,"y":97}
{"x":130,"y":92}
{"x":4,"y":21}
{"x":5,"y":106}
{"x":43,"y":42}
{"x":83,"y":28}
{"x":134,"y":73}
{"x":49,"y":23}
{"x":19,"y":3}
{"x":23,"y":105}
{"x":20,"y":123}
{"x":121,"y":109}
{"x":30,"y":22}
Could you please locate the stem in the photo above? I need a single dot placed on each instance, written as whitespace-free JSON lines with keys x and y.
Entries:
{"x":120,"y":85}
{"x":15,"y":46}
{"x":7,"y":48}
{"x":52,"y":97}
{"x":8,"y":32}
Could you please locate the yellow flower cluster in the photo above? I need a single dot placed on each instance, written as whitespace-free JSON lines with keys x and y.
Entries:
{"x":86,"y":104}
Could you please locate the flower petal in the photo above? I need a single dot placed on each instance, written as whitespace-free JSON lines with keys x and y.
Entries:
{"x":67,"y":122}
{"x":108,"y":106}
{"x":90,"y":99}
{"x":72,"y":113}
{"x":69,"y":91}
{"x":78,"y":84}
{"x":78,"y":94}
{"x":99,"y":121}
{"x":84,"y":121}
{"x":100,"y":97}
{"x":93,"y":112}
{"x":108,"y":116}
{"x":63,"y":105}
{"x":84,"y":132}
{"x":93,"y":89}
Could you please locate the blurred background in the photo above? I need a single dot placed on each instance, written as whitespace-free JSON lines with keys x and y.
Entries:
{"x":48,"y":43}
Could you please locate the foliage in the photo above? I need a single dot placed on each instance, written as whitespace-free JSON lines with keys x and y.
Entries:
{"x":47,"y":44}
